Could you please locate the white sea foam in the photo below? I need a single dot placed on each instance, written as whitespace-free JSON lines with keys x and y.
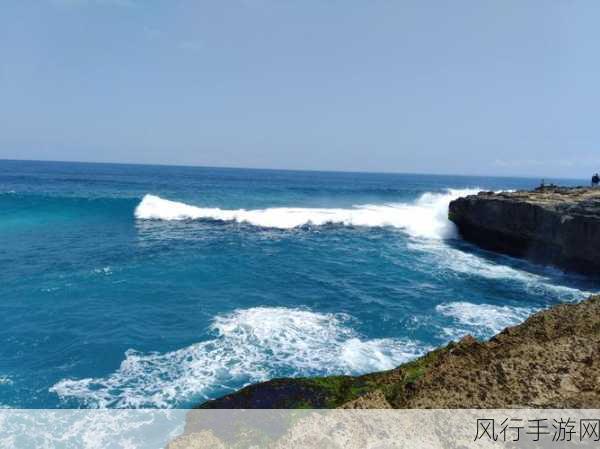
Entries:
{"x":104,"y":270}
{"x":448,"y":258}
{"x":250,"y":345}
{"x":482,"y":319}
{"x":426,"y":217}
{"x":90,"y":429}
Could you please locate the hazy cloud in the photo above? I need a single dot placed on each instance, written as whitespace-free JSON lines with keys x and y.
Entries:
{"x":532,"y":163}
{"x":78,"y":3}
{"x":191,"y":45}
{"x":152,"y":33}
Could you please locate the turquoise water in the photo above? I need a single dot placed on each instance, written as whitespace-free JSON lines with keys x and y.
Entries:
{"x":148,"y":286}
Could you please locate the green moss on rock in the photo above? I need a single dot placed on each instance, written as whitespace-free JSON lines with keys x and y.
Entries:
{"x":328,"y":391}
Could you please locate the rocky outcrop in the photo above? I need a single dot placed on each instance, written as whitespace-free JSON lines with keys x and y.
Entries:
{"x":550,"y":225}
{"x":552,"y":360}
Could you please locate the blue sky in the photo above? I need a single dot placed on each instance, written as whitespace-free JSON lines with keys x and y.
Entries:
{"x":469,"y":87}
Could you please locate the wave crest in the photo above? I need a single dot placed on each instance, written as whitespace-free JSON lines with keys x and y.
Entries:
{"x":426,"y":217}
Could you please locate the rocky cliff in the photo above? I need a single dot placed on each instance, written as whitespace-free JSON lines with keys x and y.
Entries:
{"x":552,"y":360}
{"x":550,"y":225}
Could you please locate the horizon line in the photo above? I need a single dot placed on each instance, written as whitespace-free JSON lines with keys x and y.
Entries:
{"x":549,"y":177}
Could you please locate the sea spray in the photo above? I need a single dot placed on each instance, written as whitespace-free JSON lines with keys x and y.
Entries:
{"x":426,"y":217}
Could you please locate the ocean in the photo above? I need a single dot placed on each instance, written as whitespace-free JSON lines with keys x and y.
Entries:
{"x":127,"y":286}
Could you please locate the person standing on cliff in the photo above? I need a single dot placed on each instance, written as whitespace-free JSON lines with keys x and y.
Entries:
{"x":595,"y":180}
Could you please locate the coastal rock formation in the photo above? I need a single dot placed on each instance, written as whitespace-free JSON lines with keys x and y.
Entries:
{"x":552,"y":360}
{"x":550,"y":225}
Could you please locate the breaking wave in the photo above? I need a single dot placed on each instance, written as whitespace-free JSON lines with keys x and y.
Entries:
{"x":426,"y":217}
{"x":482,"y":319}
{"x":251,"y":345}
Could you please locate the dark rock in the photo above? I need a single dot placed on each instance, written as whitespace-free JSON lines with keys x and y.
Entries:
{"x":551,"y":225}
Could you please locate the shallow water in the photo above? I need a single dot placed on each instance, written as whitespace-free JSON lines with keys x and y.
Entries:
{"x":147,"y":286}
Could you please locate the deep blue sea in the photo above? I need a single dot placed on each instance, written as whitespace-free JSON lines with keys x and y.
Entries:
{"x":154,"y":286}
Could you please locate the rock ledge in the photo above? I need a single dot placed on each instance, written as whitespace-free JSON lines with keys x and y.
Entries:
{"x":551,"y":225}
